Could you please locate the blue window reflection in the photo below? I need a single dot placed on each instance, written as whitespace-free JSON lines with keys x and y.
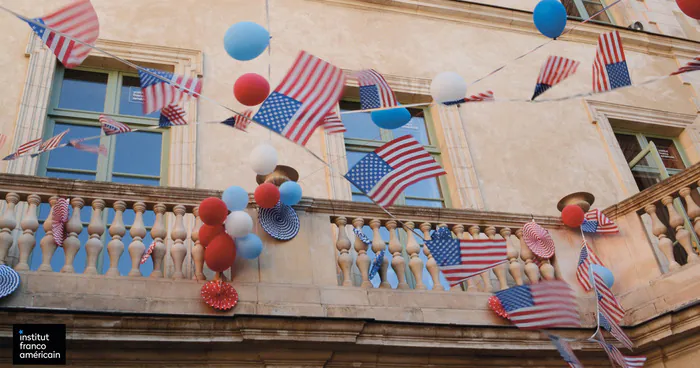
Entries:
{"x":69,"y":175}
{"x":416,"y":128}
{"x":359,"y":125}
{"x":138,"y":153}
{"x":72,"y":158}
{"x":82,"y":90}
{"x":131,"y":98}
{"x":58,"y":259}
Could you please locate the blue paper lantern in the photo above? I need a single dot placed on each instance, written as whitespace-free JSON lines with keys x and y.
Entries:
{"x":236,"y":198}
{"x":550,"y":18}
{"x":606,"y":274}
{"x":290,"y":193}
{"x":391,"y":119}
{"x":246,"y":40}
{"x":249,"y":246}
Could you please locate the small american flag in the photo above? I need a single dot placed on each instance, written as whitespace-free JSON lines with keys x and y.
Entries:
{"x":332,"y":124}
{"x":542,"y":305}
{"x":607,"y":301}
{"x":553,"y":72}
{"x":172,"y":115}
{"x":614,"y":329}
{"x":460,"y":259}
{"x":298,"y":105}
{"x":169,"y":89}
{"x":585,"y":260}
{"x":622,"y":360}
{"x":3,"y":139}
{"x":565,"y":351}
{"x":596,"y":222}
{"x":481,"y":97}
{"x":79,"y":21}
{"x":53,"y":142}
{"x":24,"y":148}
{"x":385,"y":173}
{"x":79,"y":145}
{"x":374,"y":90}
{"x":610,"y":65}
{"x":693,"y":65}
{"x":240,"y":122}
{"x":111,"y":127}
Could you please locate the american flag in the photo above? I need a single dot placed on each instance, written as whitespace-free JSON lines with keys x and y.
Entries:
{"x":596,"y":222}
{"x":565,"y":351}
{"x":692,"y":65}
{"x":24,"y":148}
{"x":622,"y":360}
{"x":610,"y":65}
{"x":607,"y":301}
{"x":386,"y":172}
{"x":53,"y":142}
{"x":3,"y":139}
{"x":169,"y":89}
{"x":240,"y":122}
{"x":614,"y":329}
{"x":553,"y":72}
{"x":298,"y":105}
{"x":585,"y":260}
{"x":374,"y":90}
{"x":172,"y":115}
{"x":111,"y":127}
{"x":332,"y":124}
{"x":481,"y":97}
{"x":79,"y":145}
{"x":542,"y":305}
{"x":78,"y":21}
{"x":460,"y":259}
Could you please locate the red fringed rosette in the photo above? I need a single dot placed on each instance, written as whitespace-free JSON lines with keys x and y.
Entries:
{"x":147,"y":253}
{"x":497,"y":307}
{"x":219,"y":295}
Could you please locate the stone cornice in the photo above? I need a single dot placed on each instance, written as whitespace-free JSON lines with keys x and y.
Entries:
{"x":641,"y":114}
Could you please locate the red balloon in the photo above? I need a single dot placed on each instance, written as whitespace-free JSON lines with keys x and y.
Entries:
{"x":213,"y":211}
{"x":207,"y":233}
{"x":251,"y":89}
{"x":691,"y":8}
{"x":572,"y":215}
{"x":221,"y":253}
{"x":267,"y":195}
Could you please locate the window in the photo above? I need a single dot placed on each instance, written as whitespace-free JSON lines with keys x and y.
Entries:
{"x":364,"y":136}
{"x":583,"y":9}
{"x":663,"y":157}
{"x":79,"y":97}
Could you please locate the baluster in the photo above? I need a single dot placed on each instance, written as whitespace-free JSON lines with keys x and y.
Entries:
{"x":377,"y":246}
{"x":398,"y":263}
{"x":413,"y":249}
{"x":137,"y":232}
{"x":470,"y":286}
{"x":546,"y":269}
{"x":693,"y":209}
{"x":677,"y":222}
{"x":158,"y":232}
{"x":178,"y":251}
{"x":500,"y":270}
{"x":514,"y":267}
{"x":430,"y":264}
{"x":47,"y":243}
{"x":74,"y":227}
{"x":363,"y":260}
{"x":659,"y":230}
{"x":8,"y":223}
{"x":27,"y":241}
{"x":343,"y":246}
{"x":198,"y":249}
{"x":95,"y":229}
{"x":531,"y":270}
{"x":117,"y":230}
{"x":486,"y":275}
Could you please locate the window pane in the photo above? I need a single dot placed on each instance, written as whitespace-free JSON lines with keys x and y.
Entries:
{"x":131,"y":98}
{"x":645,"y":180}
{"x":361,"y":198}
{"x":428,"y":188}
{"x":416,"y":127}
{"x":593,"y":7}
{"x":138,"y":153}
{"x":359,"y":125}
{"x":71,"y":158}
{"x":668,"y":152}
{"x":69,"y":175}
{"x":423,"y":203}
{"x":571,"y":8}
{"x":630,"y":147}
{"x":83,"y":90}
{"x":131,"y":180}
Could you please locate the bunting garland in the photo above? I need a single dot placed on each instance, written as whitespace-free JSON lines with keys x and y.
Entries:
{"x":553,"y":72}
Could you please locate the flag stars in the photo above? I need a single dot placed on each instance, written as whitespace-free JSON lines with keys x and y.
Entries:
{"x":368,"y":172}
{"x":277,"y":111}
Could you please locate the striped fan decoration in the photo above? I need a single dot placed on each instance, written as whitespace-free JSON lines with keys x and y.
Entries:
{"x":9,"y":280}
{"x":281,"y":221}
{"x":59,"y":217}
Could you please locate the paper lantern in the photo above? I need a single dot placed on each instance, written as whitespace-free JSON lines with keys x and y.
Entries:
{"x":263,"y":159}
{"x":207,"y":233}
{"x":550,"y":18}
{"x":604,"y":273}
{"x":391,"y":119}
{"x":251,"y":89}
{"x":249,"y":246}
{"x":236,"y":198}
{"x":572,"y":216}
{"x":220,"y":253}
{"x":290,"y":193}
{"x":448,"y":86}
{"x":690,"y":8}
{"x":239,"y":224}
{"x":267,"y":195}
{"x":213,"y":211}
{"x":246,"y":40}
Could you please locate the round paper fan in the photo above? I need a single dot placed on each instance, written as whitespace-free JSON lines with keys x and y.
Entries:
{"x":219,"y":295}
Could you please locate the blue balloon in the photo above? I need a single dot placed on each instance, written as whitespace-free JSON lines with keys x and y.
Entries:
{"x":391,"y":119}
{"x":290,"y":193}
{"x":606,"y":274}
{"x":236,"y":198}
{"x":246,"y":40}
{"x":550,"y":18}
{"x":249,"y":246}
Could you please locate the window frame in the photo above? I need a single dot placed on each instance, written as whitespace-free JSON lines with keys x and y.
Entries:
{"x":644,"y":143}
{"x":584,"y":13}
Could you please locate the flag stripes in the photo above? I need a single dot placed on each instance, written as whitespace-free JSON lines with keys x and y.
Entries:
{"x":53,"y":142}
{"x":586,"y":259}
{"x":607,"y":301}
{"x":111,"y":127}
{"x":692,"y":65}
{"x":332,"y":124}
{"x":542,"y":305}
{"x":610,"y":65}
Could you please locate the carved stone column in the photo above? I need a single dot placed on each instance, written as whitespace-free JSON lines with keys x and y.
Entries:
{"x":363,"y":260}
{"x":117,"y":230}
{"x":8,"y":223}
{"x":47,"y":243}
{"x":158,"y":232}
{"x":198,"y":249}
{"x":378,"y":245}
{"x":343,"y":246}
{"x":137,"y":232}
{"x":659,"y":230}
{"x":74,"y":227}
{"x":502,"y":269}
{"x":178,"y":251}
{"x":27,"y":241}
{"x":531,"y":270}
{"x":413,"y":249}
{"x":397,"y":261}
{"x":676,"y":221}
{"x":515,"y":268}
{"x":95,"y":229}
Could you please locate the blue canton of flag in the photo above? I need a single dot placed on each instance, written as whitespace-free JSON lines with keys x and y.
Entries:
{"x":369,"y":97}
{"x":619,"y":75}
{"x":368,"y":172}
{"x":277,"y":111}
{"x":541,"y":88}
{"x":565,"y":351}
{"x":589,"y":226}
{"x":38,"y":30}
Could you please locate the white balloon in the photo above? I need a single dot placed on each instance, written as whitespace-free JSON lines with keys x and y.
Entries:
{"x":263,"y":159}
{"x":238,"y":224}
{"x":448,"y":86}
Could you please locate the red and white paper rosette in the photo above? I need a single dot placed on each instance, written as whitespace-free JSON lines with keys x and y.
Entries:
{"x":147,"y":253}
{"x":497,"y":307}
{"x":59,"y":219}
{"x":219,"y":295}
{"x":538,"y":240}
